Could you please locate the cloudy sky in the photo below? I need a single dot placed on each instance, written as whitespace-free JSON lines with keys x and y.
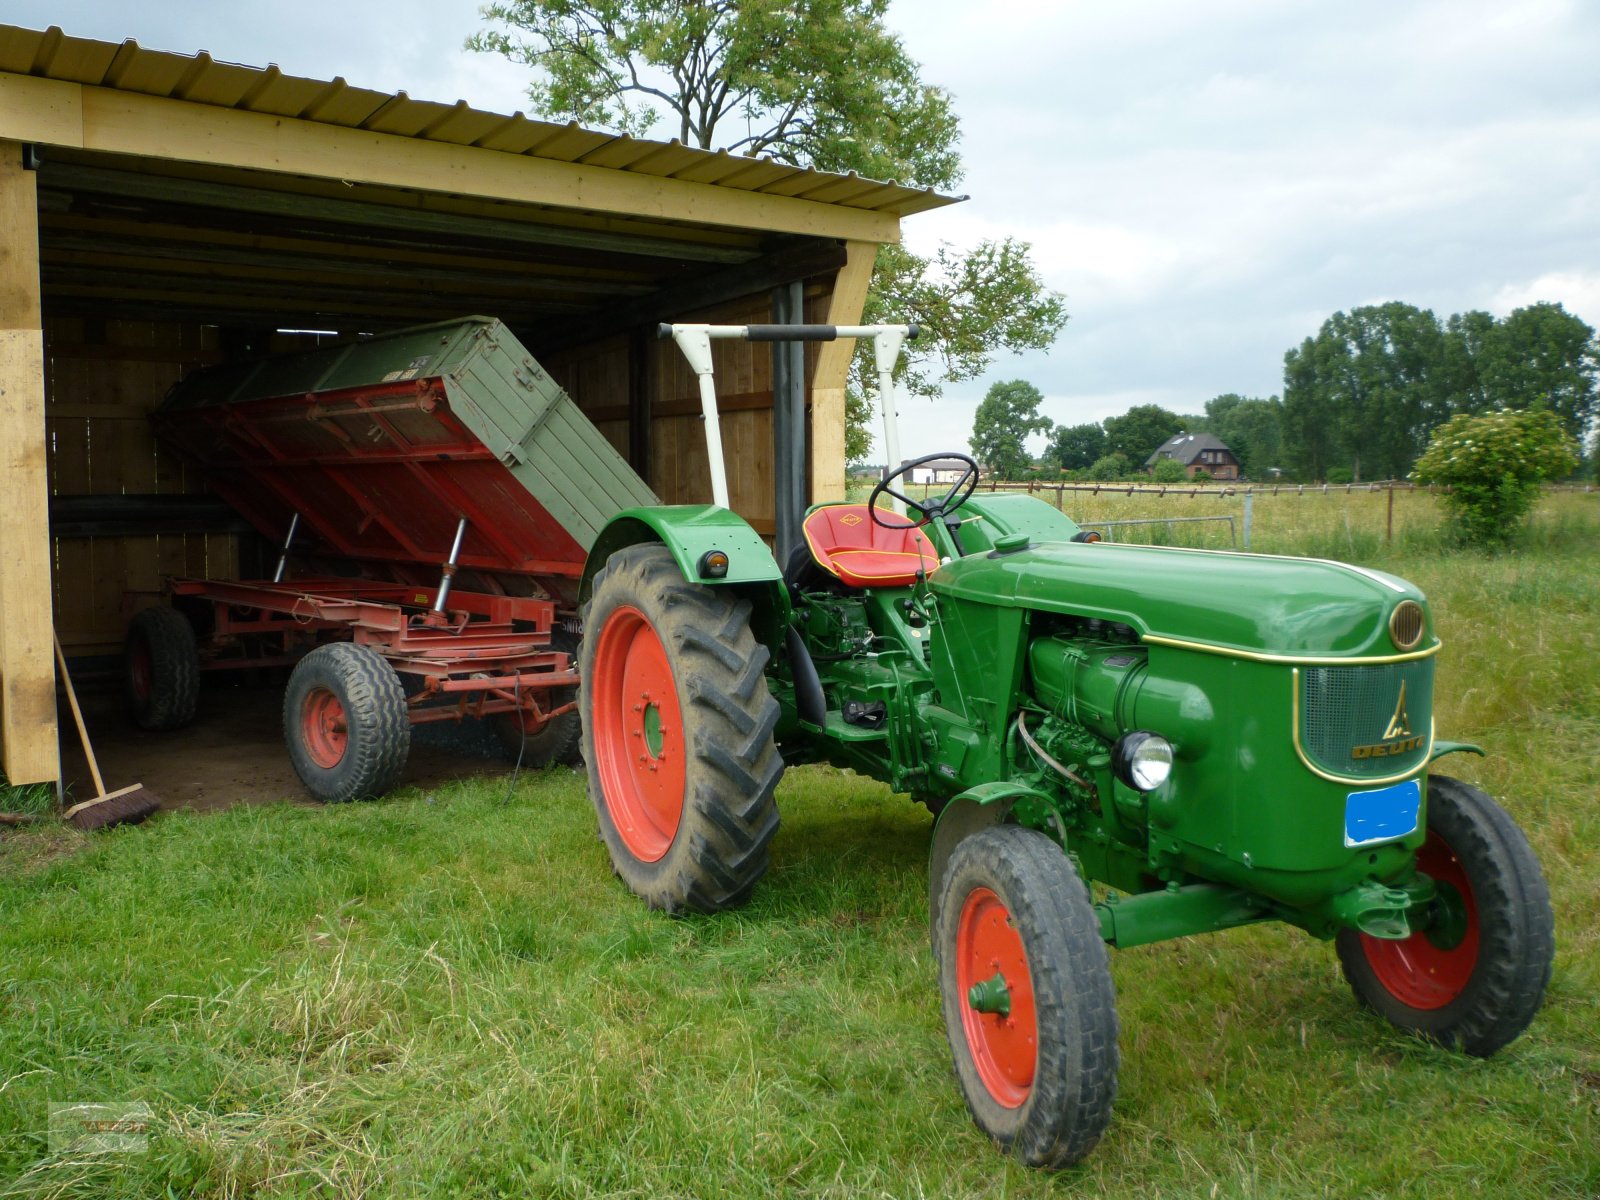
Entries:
{"x":1204,"y":182}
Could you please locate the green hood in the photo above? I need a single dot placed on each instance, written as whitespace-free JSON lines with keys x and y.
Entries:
{"x":1256,"y":603}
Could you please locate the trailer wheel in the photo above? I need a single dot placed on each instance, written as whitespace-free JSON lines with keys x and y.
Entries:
{"x":345,"y":722}
{"x":1029,"y":1006}
{"x":161,"y":669}
{"x":552,"y":741}
{"x":677,"y":734}
{"x":1475,"y":978}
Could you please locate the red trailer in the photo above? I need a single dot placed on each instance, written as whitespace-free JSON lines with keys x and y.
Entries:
{"x":434,"y":494}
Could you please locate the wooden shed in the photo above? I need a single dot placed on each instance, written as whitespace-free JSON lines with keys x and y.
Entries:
{"x":160,"y":212}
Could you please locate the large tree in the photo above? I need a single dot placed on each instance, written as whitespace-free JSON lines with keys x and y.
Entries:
{"x":1542,"y":356}
{"x":817,"y":83}
{"x":1140,"y":431}
{"x":1008,"y":416}
{"x":1252,"y":429}
{"x":1076,"y":447}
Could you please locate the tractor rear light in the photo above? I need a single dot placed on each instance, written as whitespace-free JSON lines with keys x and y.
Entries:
{"x":713,"y":565}
{"x":1142,"y":760}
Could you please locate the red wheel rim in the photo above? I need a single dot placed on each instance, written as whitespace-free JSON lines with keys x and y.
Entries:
{"x":638,"y":734}
{"x":323,"y":727}
{"x":1418,"y":971}
{"x":140,"y":669}
{"x":1004,"y":1048}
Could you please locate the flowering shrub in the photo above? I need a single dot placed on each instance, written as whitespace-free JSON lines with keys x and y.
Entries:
{"x":1493,"y":465}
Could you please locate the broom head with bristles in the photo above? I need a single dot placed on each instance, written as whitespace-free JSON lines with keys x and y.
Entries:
{"x":125,"y":806}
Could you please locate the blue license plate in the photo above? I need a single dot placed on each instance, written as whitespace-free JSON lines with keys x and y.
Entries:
{"x":1382,"y":815}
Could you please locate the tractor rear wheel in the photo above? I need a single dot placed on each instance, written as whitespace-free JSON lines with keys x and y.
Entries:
{"x":677,"y":733}
{"x":345,"y":722}
{"x":1473,"y":979}
{"x":161,"y":669}
{"x":552,"y":741}
{"x":1029,"y":1006}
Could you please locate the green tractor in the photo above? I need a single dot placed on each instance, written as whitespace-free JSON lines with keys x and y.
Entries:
{"x":1213,"y":739}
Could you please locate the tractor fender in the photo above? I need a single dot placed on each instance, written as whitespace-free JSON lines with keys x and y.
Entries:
{"x":970,"y":812}
{"x":1440,"y":749}
{"x":690,"y":532}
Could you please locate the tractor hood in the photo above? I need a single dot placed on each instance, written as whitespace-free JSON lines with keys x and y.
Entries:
{"x":1249,"y":603}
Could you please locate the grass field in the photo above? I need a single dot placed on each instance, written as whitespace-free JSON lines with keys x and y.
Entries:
{"x":450,"y":995}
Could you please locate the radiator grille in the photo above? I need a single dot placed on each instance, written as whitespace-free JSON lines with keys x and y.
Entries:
{"x":1350,"y":717}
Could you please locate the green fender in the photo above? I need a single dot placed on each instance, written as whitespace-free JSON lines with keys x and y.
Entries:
{"x":690,"y":531}
{"x":971,"y":812}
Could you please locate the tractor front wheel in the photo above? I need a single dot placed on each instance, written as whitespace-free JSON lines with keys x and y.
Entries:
{"x":1475,"y":977}
{"x":1029,"y":1006}
{"x":677,"y":733}
{"x":345,"y":722}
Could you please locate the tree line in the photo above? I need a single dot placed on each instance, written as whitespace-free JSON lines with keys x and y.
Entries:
{"x":1360,"y":399}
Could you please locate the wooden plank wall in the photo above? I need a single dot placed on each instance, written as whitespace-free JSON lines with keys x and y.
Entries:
{"x":596,"y":376}
{"x":102,"y":381}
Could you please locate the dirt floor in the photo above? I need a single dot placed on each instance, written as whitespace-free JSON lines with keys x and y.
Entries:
{"x":234,"y":753}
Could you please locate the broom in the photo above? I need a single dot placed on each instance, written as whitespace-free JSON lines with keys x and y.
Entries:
{"x":123,"y":806}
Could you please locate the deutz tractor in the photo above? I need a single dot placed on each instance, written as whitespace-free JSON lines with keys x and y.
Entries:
{"x":1210,"y":739}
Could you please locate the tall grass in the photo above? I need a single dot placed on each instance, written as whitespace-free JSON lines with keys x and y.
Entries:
{"x":449,"y":994}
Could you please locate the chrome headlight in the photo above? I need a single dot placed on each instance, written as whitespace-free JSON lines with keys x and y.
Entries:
{"x":1142,"y":760}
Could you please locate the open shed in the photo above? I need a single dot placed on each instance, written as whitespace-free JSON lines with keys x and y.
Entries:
{"x":163,"y":212}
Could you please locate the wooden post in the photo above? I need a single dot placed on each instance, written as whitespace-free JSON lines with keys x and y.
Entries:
{"x":27,"y":667}
{"x":832,"y":373}
{"x":1388,"y":536}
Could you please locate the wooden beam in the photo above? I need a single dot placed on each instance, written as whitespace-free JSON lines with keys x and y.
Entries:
{"x":833,"y":372}
{"x":27,"y":665}
{"x":47,"y":111}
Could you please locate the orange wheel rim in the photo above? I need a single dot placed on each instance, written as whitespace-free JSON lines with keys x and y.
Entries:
{"x":638,"y":734}
{"x":141,"y":669}
{"x":324,"y":728}
{"x":1423,"y":971}
{"x":1004,"y":1047}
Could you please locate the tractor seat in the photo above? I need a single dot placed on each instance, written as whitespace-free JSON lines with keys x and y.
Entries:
{"x":847,"y":543}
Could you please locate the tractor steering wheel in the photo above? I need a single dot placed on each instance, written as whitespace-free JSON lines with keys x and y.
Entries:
{"x":931,"y":510}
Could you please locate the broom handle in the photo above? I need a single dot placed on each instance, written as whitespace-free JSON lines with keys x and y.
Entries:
{"x":77,"y":715}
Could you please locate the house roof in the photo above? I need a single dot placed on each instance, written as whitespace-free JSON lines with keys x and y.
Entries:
{"x":1186,"y":447}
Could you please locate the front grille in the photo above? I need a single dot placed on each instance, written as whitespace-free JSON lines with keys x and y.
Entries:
{"x":1351,"y":717}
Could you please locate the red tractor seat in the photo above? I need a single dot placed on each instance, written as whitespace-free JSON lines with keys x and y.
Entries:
{"x":849,"y":544}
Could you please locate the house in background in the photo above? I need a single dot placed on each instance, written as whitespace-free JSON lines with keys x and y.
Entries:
{"x":1198,"y":451}
{"x":940,"y":470}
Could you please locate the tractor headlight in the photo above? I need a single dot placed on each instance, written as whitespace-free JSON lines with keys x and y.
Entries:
{"x":1142,"y":760}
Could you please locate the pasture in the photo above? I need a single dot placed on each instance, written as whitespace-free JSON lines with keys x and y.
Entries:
{"x":447,"y":993}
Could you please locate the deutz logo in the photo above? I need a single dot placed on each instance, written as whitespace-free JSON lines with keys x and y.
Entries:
{"x":1397,"y":735}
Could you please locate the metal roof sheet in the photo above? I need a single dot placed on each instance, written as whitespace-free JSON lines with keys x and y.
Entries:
{"x":199,"y":78}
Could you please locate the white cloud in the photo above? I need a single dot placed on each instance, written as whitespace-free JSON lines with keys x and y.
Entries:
{"x":1578,"y":291}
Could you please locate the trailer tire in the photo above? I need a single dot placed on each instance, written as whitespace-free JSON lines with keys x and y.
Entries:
{"x":1039,"y":1078}
{"x":161,"y":669}
{"x":557,"y":740}
{"x":345,"y":723}
{"x":677,"y":734}
{"x":1476,"y":983}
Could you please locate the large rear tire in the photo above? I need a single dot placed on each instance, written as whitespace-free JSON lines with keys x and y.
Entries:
{"x":345,"y":723}
{"x":677,"y":734}
{"x":161,"y":669}
{"x":1475,"y":978}
{"x":1029,"y":1006}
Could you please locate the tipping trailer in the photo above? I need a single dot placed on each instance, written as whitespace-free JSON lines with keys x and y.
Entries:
{"x":446,"y":492}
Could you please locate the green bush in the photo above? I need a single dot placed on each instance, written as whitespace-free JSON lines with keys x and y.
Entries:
{"x":1493,"y":466}
{"x":1112,"y":466}
{"x":1340,"y":475}
{"x":1169,"y":470}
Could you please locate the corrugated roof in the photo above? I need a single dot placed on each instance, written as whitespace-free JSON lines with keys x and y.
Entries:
{"x":201,"y":79}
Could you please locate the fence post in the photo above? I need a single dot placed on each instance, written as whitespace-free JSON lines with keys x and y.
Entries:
{"x":1249,"y":512}
{"x":1388,"y":533}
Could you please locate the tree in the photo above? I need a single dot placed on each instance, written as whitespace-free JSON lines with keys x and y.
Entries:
{"x":1140,"y":431}
{"x":816,"y":83}
{"x":1542,"y":356}
{"x":1008,"y":415}
{"x":1110,"y":466}
{"x":1252,"y":428}
{"x":1074,"y":447}
{"x":1493,"y":465}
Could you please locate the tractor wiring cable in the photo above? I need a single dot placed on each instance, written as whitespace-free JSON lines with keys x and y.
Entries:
{"x":522,"y":741}
{"x":1039,"y":752}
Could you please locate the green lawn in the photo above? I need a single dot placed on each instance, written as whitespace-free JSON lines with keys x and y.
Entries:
{"x":449,"y":994}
